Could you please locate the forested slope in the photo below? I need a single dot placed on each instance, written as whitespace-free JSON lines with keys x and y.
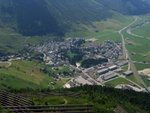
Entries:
{"x":36,"y":17}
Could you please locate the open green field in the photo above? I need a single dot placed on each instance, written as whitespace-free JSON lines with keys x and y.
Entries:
{"x":139,"y":45}
{"x":145,"y":80}
{"x":140,"y":57}
{"x":141,"y":66}
{"x":116,"y":82}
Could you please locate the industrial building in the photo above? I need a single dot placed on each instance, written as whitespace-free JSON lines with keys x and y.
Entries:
{"x":103,"y":71}
{"x":123,"y":63}
{"x":128,"y":73}
{"x":111,"y":68}
{"x":109,"y":76}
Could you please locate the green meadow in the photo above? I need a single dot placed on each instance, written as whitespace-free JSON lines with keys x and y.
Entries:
{"x":116,"y":82}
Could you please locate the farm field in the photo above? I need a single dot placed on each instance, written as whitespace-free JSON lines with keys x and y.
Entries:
{"x":142,"y":30}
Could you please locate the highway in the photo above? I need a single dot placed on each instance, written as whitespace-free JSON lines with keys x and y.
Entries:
{"x":126,"y":55}
{"x":133,"y":68}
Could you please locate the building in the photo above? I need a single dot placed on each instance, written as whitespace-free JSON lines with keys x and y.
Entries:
{"x":123,"y":63}
{"x":111,"y":68}
{"x":109,"y":76}
{"x":148,"y":79}
{"x":128,"y":73}
{"x":118,"y":70}
{"x":103,"y":71}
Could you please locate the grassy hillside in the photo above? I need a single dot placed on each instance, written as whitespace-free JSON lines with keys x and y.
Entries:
{"x":22,"y":74}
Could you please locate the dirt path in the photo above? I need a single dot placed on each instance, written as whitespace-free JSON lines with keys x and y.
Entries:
{"x":65,"y":101}
{"x":9,"y":64}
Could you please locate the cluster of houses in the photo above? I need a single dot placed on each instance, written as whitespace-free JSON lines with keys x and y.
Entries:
{"x":55,"y":52}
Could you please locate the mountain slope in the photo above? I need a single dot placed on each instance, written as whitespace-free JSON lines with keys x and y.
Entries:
{"x":128,"y":7}
{"x":36,"y":17}
{"x":47,"y":17}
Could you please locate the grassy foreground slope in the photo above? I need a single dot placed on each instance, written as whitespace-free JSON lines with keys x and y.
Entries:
{"x":31,"y":74}
{"x":23,"y":74}
{"x":103,"y":99}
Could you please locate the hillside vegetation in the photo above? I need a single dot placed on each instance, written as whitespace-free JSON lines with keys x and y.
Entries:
{"x":103,"y":99}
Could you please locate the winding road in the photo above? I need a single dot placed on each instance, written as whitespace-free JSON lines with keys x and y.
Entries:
{"x":9,"y":64}
{"x":124,"y":50}
{"x":129,"y":31}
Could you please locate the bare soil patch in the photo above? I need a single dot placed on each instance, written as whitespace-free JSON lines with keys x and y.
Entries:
{"x":145,"y":72}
